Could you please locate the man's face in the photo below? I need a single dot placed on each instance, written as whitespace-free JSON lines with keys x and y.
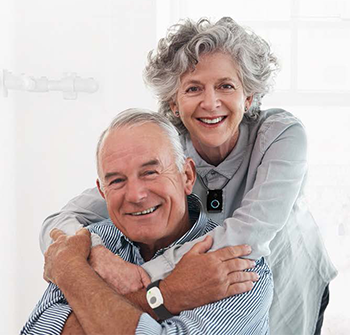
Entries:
{"x":144,"y":191}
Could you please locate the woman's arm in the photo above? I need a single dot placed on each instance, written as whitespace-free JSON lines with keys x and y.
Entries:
{"x":265,"y":208}
{"x":83,"y":210}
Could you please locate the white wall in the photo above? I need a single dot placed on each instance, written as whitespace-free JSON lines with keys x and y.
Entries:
{"x":7,"y":184}
{"x":47,"y":142}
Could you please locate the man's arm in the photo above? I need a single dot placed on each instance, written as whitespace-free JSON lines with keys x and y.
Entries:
{"x":201,"y":278}
{"x":240,"y":314}
{"x":97,"y":307}
{"x":100,"y":310}
{"x":72,"y":326}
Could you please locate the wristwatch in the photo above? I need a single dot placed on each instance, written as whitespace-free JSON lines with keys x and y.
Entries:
{"x":155,"y":300}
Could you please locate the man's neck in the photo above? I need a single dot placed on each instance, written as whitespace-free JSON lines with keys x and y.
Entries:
{"x":149,"y":250}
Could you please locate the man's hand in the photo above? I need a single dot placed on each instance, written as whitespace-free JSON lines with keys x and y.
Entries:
{"x":201,"y":278}
{"x":124,"y":277}
{"x":64,"y":251}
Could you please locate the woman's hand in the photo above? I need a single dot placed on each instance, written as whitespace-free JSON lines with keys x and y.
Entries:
{"x":122,"y":276}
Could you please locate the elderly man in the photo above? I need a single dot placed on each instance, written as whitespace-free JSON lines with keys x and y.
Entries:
{"x":147,"y":184}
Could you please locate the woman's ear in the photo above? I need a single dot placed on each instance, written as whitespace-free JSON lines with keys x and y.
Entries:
{"x":189,"y":175}
{"x":174,"y":108}
{"x":249,"y":101}
{"x":99,"y":186}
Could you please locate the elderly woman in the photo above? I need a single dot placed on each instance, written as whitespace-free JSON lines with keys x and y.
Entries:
{"x":251,"y":164}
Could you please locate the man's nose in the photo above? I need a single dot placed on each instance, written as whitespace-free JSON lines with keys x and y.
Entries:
{"x":135,"y":191}
{"x":210,"y":100}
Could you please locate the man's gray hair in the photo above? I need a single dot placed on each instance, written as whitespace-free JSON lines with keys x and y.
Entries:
{"x":136,"y":117}
{"x":180,"y":50}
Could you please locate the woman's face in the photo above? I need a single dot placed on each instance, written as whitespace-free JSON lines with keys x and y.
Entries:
{"x":211,"y":103}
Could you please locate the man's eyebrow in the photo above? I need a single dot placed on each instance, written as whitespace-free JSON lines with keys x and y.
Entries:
{"x":109,"y":175}
{"x":152,"y":162}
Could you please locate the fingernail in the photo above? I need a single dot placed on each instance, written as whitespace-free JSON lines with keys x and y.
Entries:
{"x":248,"y":247}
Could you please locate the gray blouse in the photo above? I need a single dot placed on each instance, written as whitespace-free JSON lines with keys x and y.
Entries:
{"x":263,"y":205}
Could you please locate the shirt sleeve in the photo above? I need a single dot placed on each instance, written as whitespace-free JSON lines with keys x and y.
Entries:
{"x":266,"y":207}
{"x":49,"y":315}
{"x":83,"y":210}
{"x":245,"y":313}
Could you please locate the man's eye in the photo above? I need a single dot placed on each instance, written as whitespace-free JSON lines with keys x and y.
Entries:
{"x":149,"y":173}
{"x":116,"y":181}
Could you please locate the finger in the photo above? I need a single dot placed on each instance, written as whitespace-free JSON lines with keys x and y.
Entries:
{"x":242,"y":276}
{"x":238,"y":264}
{"x":233,"y":252}
{"x":239,"y":288}
{"x":202,"y":246}
{"x":83,"y":232}
{"x":56,"y":233}
{"x":44,"y":276}
{"x":145,"y":279}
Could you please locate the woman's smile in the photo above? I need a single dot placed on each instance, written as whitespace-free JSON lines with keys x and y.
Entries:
{"x":211,"y":104}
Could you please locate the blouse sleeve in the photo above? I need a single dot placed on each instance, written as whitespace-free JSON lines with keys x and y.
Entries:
{"x":266,"y":207}
{"x":83,"y":210}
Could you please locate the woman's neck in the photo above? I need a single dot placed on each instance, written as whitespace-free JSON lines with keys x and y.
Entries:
{"x":215,"y":155}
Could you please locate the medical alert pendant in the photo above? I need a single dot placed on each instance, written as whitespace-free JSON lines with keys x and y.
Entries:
{"x":214,"y":201}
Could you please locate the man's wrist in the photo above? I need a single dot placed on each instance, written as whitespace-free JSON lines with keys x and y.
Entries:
{"x":70,"y":269}
{"x":168,"y":296}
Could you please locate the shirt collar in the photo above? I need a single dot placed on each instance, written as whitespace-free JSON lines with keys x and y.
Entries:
{"x":230,"y":165}
{"x":198,"y":220}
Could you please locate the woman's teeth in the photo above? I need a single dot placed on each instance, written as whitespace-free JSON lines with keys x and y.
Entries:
{"x":146,"y":211}
{"x":212,"y":121}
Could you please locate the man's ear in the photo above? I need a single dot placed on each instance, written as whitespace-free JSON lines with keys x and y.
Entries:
{"x":100,"y":188}
{"x":189,"y":175}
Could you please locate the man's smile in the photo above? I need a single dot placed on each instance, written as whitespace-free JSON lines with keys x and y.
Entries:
{"x":144,"y":212}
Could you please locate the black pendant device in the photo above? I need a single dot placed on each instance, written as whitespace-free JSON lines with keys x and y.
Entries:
{"x":214,"y":201}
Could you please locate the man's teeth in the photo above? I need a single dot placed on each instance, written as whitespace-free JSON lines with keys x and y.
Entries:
{"x":212,"y":121}
{"x":146,"y":211}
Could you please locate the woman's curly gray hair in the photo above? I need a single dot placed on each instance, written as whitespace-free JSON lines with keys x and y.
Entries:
{"x":179,"y":52}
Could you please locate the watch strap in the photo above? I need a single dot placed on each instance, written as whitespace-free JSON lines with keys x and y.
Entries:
{"x":160,"y":311}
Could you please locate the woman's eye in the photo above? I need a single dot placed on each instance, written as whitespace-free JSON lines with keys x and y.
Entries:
{"x":227,"y":86}
{"x":192,"y":89}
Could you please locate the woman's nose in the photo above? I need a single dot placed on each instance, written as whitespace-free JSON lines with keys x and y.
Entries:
{"x":210,"y":100}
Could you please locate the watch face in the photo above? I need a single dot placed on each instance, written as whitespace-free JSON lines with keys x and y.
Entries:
{"x":154,"y":297}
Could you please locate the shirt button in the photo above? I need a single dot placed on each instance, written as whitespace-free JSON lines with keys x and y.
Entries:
{"x":212,"y":172}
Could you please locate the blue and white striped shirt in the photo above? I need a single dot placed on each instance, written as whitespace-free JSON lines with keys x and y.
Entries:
{"x":245,"y":313}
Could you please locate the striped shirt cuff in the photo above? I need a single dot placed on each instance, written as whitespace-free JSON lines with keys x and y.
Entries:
{"x":148,"y":326}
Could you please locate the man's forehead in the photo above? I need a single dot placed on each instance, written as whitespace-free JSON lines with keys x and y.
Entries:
{"x":145,"y":135}
{"x":143,"y":145}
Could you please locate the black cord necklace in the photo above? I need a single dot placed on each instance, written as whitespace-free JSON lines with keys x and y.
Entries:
{"x":214,"y":197}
